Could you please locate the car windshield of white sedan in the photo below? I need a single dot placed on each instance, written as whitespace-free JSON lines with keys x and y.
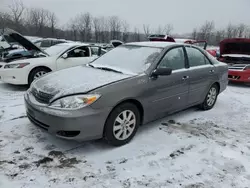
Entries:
{"x":56,"y":50}
{"x":128,"y":58}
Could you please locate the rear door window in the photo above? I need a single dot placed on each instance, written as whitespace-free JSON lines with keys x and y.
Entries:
{"x":196,"y":57}
{"x":45,"y":43}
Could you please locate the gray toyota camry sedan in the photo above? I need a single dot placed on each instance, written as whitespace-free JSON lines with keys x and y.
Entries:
{"x":130,"y":85}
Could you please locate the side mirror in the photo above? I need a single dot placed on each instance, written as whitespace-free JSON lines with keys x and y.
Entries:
{"x":65,"y":56}
{"x":162,"y":72}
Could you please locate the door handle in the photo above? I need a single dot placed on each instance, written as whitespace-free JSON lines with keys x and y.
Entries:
{"x":211,"y":71}
{"x":185,"y":78}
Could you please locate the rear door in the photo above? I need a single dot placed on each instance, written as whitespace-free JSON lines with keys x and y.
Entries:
{"x":170,"y":93}
{"x":202,"y":74}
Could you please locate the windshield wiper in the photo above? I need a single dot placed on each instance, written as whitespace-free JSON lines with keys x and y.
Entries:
{"x":108,"y":69}
{"x":91,"y":65}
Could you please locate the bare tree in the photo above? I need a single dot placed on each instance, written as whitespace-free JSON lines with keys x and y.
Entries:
{"x":115,"y":27}
{"x":73,"y":30}
{"x":5,"y":20}
{"x":136,"y":35}
{"x":97,"y":28}
{"x":159,"y":30}
{"x":194,"y":34}
{"x":146,"y":29}
{"x":125,"y":31}
{"x":37,"y":20}
{"x":84,"y":24}
{"x":241,"y":30}
{"x":165,"y":30}
{"x":206,"y":31}
{"x":219,"y":36}
{"x":16,"y":11}
{"x":52,"y":21}
{"x":247,"y":32}
{"x":229,"y":30}
{"x":168,"y":29}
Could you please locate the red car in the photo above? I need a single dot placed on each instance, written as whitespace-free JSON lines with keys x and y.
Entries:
{"x":236,"y":53}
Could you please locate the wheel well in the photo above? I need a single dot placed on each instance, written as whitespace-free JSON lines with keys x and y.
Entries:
{"x":136,"y":103}
{"x":218,"y":85}
{"x":40,"y":67}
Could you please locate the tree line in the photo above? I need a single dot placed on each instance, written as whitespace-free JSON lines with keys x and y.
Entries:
{"x":209,"y":32}
{"x":87,"y":28}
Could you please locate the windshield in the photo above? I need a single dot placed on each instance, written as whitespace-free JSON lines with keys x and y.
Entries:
{"x":128,"y":58}
{"x":56,"y":50}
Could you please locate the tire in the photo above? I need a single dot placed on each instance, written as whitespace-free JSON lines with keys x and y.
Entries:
{"x":212,"y":95}
{"x":125,"y":131}
{"x":34,"y":74}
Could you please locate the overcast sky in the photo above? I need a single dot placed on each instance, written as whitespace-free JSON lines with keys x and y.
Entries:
{"x":183,"y":14}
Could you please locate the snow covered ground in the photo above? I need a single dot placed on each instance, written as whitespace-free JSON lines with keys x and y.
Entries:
{"x":191,"y":149}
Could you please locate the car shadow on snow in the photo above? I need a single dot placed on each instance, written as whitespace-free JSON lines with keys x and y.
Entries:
{"x":242,"y":85}
{"x":9,"y":87}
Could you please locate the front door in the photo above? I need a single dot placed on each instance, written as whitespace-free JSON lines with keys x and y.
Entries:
{"x":170,"y":93}
{"x":202,"y":74}
{"x":77,"y":56}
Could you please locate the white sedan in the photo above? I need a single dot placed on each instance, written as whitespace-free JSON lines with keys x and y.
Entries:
{"x":61,"y":56}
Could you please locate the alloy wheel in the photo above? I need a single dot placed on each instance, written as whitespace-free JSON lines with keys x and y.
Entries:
{"x":39,"y":74}
{"x":211,"y":97}
{"x":124,"y":125}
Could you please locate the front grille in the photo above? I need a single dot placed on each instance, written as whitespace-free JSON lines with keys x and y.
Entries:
{"x":234,"y":77}
{"x":37,"y":123}
{"x":41,"y":97}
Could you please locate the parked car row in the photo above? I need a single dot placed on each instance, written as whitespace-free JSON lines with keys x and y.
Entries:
{"x":82,"y":92}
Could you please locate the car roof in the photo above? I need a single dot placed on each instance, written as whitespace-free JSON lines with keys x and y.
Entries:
{"x":153,"y":44}
{"x":72,"y":44}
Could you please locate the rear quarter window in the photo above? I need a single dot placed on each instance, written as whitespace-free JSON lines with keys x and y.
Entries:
{"x":45,"y":43}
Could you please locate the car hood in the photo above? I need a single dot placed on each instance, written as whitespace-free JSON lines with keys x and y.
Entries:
{"x":12,"y":36}
{"x":235,"y":46}
{"x":80,"y":79}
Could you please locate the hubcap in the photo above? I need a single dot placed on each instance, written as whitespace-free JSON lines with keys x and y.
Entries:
{"x":124,"y":125}
{"x":39,"y":74}
{"x":211,"y":96}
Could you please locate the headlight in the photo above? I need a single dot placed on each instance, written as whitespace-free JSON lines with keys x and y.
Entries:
{"x":16,"y":65}
{"x":75,"y":102}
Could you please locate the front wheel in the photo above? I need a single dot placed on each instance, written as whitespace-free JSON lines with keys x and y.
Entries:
{"x":37,"y":73}
{"x":211,"y":98}
{"x":122,"y":124}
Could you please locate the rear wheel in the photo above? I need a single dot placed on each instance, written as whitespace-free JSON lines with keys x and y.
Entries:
{"x":122,"y":124}
{"x":211,"y":98}
{"x":37,"y":73}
